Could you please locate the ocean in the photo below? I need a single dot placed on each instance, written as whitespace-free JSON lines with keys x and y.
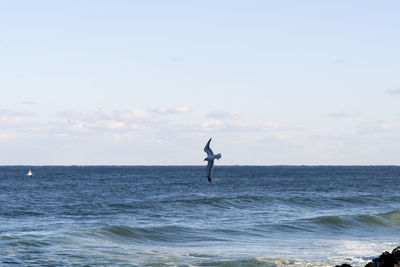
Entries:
{"x":172,"y":216}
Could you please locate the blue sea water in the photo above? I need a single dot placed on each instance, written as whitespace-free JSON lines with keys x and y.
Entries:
{"x":172,"y":216}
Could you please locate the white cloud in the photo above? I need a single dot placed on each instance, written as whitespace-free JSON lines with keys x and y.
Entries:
{"x":209,"y":124}
{"x":345,"y":114}
{"x":228,"y":121}
{"x":14,"y":113}
{"x":4,"y":137}
{"x":239,"y":126}
{"x":16,"y":119}
{"x":97,"y":132}
{"x":100,"y":115}
{"x":270,"y":125}
{"x":107,"y":120}
{"x":169,"y":110}
{"x":221,"y":115}
{"x":115,"y":125}
{"x":377,"y":127}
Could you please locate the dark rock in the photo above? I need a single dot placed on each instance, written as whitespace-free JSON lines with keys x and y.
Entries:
{"x":386,"y":259}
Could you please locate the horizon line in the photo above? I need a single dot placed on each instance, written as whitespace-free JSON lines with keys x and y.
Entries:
{"x":190,"y":165}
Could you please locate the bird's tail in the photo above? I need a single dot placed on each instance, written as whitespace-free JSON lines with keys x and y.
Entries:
{"x":218,"y":156}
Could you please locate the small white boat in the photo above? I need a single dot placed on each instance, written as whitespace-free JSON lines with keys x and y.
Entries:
{"x":29,"y":173}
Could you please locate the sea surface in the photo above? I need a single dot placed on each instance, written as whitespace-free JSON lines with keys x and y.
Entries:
{"x":172,"y":216}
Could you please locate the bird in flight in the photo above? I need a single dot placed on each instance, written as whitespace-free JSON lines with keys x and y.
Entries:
{"x":210,"y":158}
{"x":29,"y":173}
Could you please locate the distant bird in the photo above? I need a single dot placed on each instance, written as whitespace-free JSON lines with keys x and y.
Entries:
{"x":69,"y":122}
{"x":29,"y":173}
{"x":210,"y":158}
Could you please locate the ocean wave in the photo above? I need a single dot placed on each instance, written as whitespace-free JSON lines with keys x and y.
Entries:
{"x":387,"y":219}
{"x":25,"y":242}
{"x":393,"y":216}
{"x":357,"y":199}
{"x":20,"y":213}
{"x":223,"y":202}
{"x":85,"y":209}
{"x":258,"y":262}
{"x":163,"y":234}
{"x":220,"y":202}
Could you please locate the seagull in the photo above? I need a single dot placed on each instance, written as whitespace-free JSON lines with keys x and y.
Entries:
{"x":210,"y":158}
{"x":29,"y":173}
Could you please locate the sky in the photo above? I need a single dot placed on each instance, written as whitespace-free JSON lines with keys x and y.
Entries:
{"x":149,"y":82}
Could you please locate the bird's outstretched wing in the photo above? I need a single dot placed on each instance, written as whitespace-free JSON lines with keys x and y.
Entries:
{"x":207,"y":148}
{"x":209,"y":169}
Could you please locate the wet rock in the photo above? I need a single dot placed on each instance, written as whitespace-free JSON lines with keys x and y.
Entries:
{"x":386,"y":259}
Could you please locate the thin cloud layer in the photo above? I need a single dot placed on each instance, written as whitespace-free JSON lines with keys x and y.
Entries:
{"x":223,"y":115}
{"x":102,"y":131}
{"x":345,"y":114}
{"x":377,"y":127}
{"x":132,"y":119}
{"x":173,"y":110}
{"x":13,"y":118}
{"x":395,"y":91}
{"x":15,"y":113}
{"x":239,"y":126}
{"x":28,"y":103}
{"x":118,"y":115}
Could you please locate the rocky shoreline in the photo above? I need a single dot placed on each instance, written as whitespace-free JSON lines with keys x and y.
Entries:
{"x":386,"y":259}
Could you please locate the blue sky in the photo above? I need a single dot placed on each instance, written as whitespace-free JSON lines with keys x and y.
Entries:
{"x":148,"y":82}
